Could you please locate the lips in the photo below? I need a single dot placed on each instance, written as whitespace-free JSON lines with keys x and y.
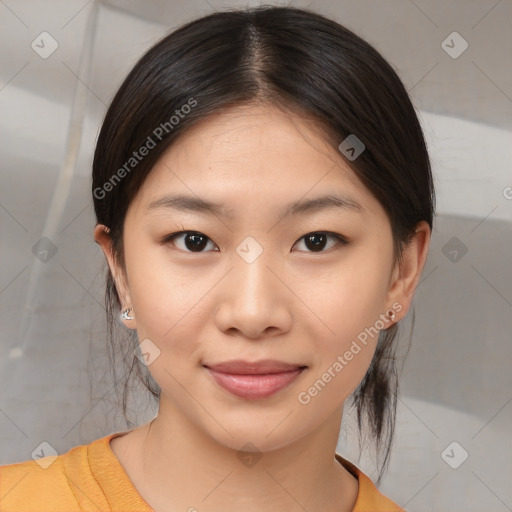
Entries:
{"x":239,"y":367}
{"x":254,"y":380}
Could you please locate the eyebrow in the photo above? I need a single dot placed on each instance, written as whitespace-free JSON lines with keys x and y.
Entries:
{"x":186,"y":203}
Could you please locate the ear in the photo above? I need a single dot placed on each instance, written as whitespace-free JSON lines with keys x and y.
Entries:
{"x":407,"y":272}
{"x":103,"y":239}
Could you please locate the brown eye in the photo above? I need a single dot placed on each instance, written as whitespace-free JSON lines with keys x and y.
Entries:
{"x":192,"y":241}
{"x":317,"y":241}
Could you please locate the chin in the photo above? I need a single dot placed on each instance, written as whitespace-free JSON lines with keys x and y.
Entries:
{"x":254,"y":432}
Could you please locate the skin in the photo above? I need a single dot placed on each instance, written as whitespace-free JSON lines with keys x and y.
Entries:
{"x":292,"y":303}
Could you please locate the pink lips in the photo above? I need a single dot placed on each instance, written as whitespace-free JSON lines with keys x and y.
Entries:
{"x":254,"y":380}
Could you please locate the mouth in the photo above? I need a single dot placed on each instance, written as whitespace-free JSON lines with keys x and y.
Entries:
{"x":254,"y":380}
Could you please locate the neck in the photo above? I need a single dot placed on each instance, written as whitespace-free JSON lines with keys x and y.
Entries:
{"x":175,"y":466}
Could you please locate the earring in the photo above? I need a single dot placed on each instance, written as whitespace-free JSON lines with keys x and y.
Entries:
{"x":106,"y":229}
{"x":125,"y":316}
{"x":390,"y":314}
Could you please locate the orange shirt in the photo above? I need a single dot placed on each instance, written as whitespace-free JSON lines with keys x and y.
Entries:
{"x":91,"y":478}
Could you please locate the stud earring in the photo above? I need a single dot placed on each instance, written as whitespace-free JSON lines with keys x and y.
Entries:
{"x":391,"y":315}
{"x":125,"y":315}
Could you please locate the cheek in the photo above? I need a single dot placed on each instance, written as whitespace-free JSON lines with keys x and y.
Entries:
{"x":346,"y":337}
{"x":350,"y":297}
{"x":349,"y":304}
{"x":166,"y":298}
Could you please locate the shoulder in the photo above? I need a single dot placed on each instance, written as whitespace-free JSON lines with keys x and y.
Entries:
{"x":369,"y":498}
{"x":40,"y":485}
{"x":52,"y":483}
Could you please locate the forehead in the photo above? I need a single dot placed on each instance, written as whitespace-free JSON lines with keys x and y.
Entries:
{"x":253,"y":152}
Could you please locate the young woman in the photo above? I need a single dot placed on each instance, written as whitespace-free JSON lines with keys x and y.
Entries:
{"x":264,"y":202}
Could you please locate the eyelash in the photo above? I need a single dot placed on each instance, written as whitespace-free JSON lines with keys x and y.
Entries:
{"x":340,"y":239}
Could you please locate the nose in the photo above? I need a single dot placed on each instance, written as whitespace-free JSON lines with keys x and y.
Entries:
{"x":253,"y":301}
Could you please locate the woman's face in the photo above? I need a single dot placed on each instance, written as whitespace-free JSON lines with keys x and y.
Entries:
{"x":252,"y":286}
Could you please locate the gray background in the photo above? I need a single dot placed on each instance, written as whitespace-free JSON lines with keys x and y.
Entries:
{"x":456,"y":383}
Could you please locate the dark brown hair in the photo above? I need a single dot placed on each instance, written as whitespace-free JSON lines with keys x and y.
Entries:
{"x":292,"y":58}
